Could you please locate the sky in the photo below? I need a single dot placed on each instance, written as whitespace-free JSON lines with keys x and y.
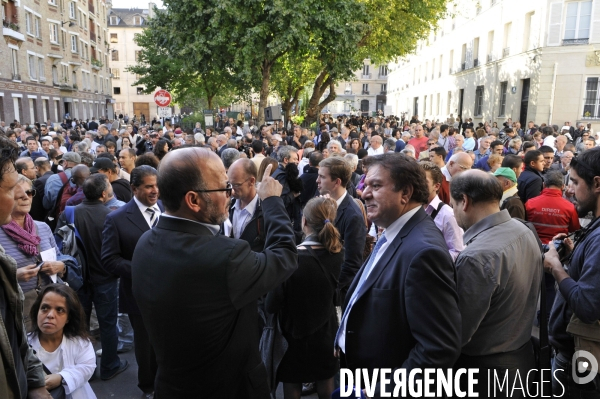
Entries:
{"x":135,"y":3}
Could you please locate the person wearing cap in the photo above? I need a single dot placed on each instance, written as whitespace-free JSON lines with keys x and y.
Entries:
{"x":510,"y":197}
{"x":120,"y":186}
{"x":56,"y":182}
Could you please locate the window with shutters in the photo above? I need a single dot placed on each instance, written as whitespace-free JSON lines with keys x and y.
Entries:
{"x":73,"y":43}
{"x":591,"y":105}
{"x":478,"y":101}
{"x":115,"y":73}
{"x":555,"y":24}
{"x":577,"y":22}
{"x":115,"y":55}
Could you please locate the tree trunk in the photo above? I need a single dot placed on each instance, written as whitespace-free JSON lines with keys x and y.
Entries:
{"x":286,"y":106}
{"x":313,"y":109}
{"x":209,"y":99}
{"x":264,"y":91}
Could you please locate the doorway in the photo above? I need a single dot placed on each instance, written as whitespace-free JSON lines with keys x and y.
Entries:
{"x":461,"y":95}
{"x":141,"y":108}
{"x":524,"y":102}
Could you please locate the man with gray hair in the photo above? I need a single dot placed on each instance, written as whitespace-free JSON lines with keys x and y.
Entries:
{"x":389,"y":145}
{"x":229,"y":156}
{"x":401,"y":144}
{"x":199,"y":139}
{"x":502,"y":259}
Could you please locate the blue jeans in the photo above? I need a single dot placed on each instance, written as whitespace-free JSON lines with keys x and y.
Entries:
{"x":571,"y":389}
{"x":105,"y":300}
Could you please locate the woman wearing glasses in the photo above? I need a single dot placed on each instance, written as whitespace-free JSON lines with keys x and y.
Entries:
{"x":23,"y":239}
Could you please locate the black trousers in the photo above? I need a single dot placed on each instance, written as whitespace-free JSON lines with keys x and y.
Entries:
{"x":144,"y":354}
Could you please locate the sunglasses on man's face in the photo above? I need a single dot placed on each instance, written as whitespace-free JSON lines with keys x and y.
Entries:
{"x":31,"y":193}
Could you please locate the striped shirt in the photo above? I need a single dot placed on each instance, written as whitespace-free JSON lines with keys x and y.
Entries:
{"x":22,"y":259}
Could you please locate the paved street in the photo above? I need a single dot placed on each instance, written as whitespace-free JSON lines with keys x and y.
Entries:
{"x":124,"y":386}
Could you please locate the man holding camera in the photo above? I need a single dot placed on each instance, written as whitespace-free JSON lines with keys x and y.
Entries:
{"x":579,"y":287}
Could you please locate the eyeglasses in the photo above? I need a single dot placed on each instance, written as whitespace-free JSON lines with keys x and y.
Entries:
{"x":238,"y":185}
{"x":31,"y":193}
{"x":227,"y":190}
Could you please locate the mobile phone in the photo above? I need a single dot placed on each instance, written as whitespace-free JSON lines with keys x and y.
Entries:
{"x":39,"y":264}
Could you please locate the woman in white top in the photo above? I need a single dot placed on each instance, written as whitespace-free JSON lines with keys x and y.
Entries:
{"x":61,"y":341}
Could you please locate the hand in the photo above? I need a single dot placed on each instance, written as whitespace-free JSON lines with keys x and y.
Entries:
{"x":269,"y":187}
{"x":54,"y":267}
{"x":27,"y":273}
{"x":39,"y":393}
{"x":569,"y":245}
{"x":53,"y":381}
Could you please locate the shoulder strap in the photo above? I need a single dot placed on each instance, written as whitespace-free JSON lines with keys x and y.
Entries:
{"x":436,"y":211}
{"x":330,"y":275}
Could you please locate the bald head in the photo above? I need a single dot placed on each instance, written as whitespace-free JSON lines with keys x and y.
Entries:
{"x":188,"y":169}
{"x":79,"y":173}
{"x":477,"y":185}
{"x":458,"y":163}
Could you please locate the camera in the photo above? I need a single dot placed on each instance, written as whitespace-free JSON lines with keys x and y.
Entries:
{"x":558,"y":244}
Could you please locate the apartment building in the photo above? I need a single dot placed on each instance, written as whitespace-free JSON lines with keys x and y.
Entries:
{"x":123,"y":25}
{"x":496,"y":59}
{"x":55,"y":60}
{"x":366,"y":94}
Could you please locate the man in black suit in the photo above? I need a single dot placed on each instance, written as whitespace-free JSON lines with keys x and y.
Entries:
{"x":122,"y":230}
{"x":334,"y":175}
{"x":402,"y":308}
{"x":44,"y":171}
{"x":245,"y":214}
{"x":93,"y":125}
{"x":197,"y":290}
{"x":309,"y":177}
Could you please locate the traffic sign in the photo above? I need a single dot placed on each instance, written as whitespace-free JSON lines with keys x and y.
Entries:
{"x":164,"y":112}
{"x":162,"y":98}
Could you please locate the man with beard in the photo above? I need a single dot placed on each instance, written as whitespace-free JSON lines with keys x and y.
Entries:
{"x":287,"y":174}
{"x":579,"y":287}
{"x":184,"y":267}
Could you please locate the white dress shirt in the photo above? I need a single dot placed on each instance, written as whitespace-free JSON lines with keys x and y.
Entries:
{"x":145,"y":214}
{"x":446,"y":222}
{"x":242,"y":216}
{"x":371,"y":151}
{"x":390,"y":234}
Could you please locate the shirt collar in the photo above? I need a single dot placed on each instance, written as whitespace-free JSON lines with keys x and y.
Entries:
{"x":486,"y":223}
{"x":435,"y":202}
{"x":214,"y":229}
{"x":339,"y":200}
{"x":144,"y":207}
{"x":393,"y":229}
{"x":251,"y":207}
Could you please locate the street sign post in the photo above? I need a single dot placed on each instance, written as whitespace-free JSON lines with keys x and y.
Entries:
{"x":162,"y":98}
{"x":164,"y":112}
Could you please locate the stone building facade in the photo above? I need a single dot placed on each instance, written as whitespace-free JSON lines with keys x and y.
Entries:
{"x":497,"y":59}
{"x":55,"y":60}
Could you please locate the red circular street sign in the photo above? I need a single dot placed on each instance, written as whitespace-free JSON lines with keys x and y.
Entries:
{"x":162,"y":98}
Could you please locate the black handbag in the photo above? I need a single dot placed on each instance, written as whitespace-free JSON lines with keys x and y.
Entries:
{"x":58,"y":392}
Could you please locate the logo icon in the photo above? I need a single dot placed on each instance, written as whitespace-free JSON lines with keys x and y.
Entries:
{"x":581,"y":362}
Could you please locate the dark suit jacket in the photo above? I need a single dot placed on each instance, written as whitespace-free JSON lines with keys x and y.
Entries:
{"x":351,"y":225}
{"x":93,"y":125}
{"x":309,"y":184}
{"x":407,"y":315}
{"x":254,"y":232}
{"x":122,"y":230}
{"x":197,"y":294}
{"x":38,"y":212}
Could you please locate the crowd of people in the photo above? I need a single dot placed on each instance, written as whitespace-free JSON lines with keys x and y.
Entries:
{"x":246,"y":256}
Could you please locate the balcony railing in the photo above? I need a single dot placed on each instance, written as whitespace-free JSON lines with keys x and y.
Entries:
{"x":572,"y":42}
{"x":365,"y":92}
{"x":367,"y":76}
{"x":506,"y":52}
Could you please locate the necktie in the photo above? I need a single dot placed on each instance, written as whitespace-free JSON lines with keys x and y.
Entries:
{"x":382,"y":240}
{"x":152,"y":213}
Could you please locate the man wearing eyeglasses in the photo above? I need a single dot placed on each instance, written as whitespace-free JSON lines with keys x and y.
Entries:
{"x":189,"y":279}
{"x":245,"y":215}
